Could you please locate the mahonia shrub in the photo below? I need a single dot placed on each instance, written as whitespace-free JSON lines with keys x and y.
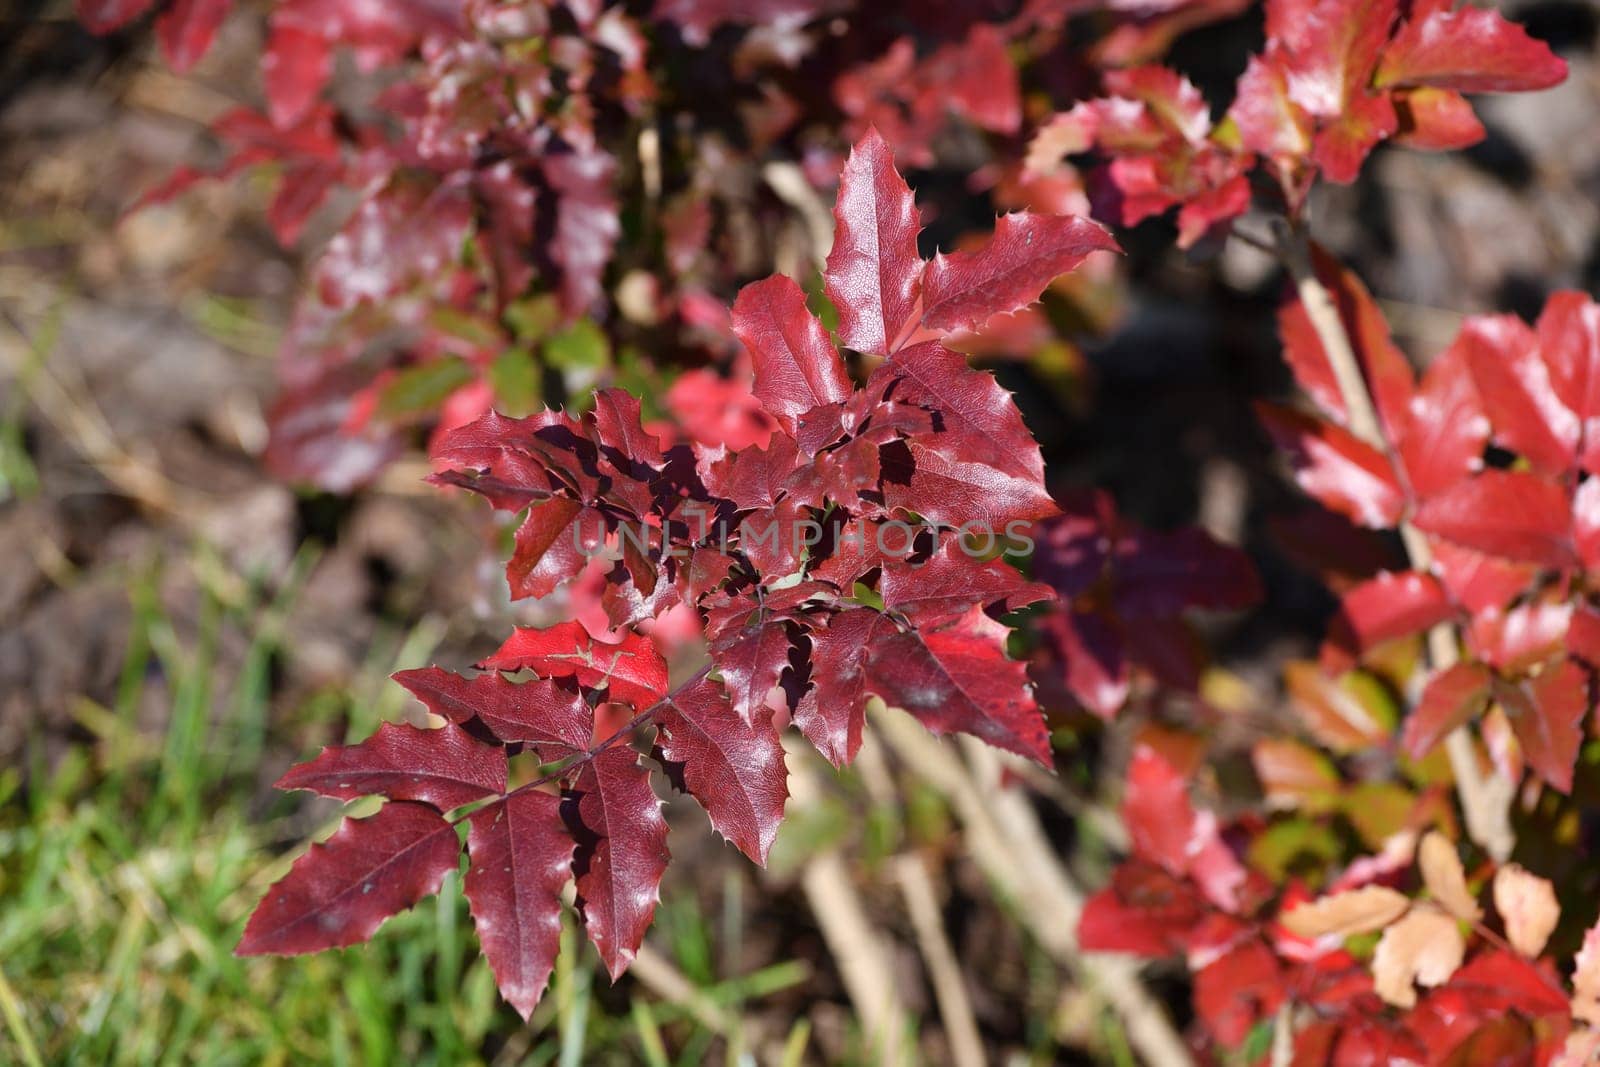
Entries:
{"x":551,"y":195}
{"x":855,"y":555}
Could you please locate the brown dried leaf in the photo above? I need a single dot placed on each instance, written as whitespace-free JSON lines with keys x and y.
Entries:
{"x":1423,"y":948}
{"x":1527,"y":904}
{"x":1356,"y":911}
{"x":1442,"y":873}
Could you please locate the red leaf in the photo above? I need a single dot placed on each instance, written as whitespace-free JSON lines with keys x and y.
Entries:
{"x":342,"y":890}
{"x":1436,"y":120}
{"x":1270,"y":123}
{"x":1510,"y":514}
{"x":103,"y":16}
{"x":1345,"y":474}
{"x":1382,"y":609}
{"x":1095,"y":657}
{"x":796,"y":366}
{"x":446,"y":767}
{"x":1236,"y":991}
{"x":1471,"y":51}
{"x":1026,"y":253}
{"x":1145,"y":911}
{"x":750,"y":662}
{"x":1569,"y":341}
{"x":1517,"y":393}
{"x":733,"y":767}
{"x":983,"y":429}
{"x":1442,"y":438}
{"x":1164,"y":573}
{"x":1547,"y":713}
{"x":1166,"y":829}
{"x":832,"y":712}
{"x":186,"y":30}
{"x":1342,"y":147}
{"x":520,"y":857}
{"x":1384,"y":367}
{"x":1453,"y":697}
{"x":621,"y":856}
{"x":957,"y":678}
{"x":295,"y":65}
{"x":542,"y":713}
{"x":952,"y":580}
{"x":632,"y":669}
{"x":552,"y":545}
{"x":587,"y":226}
{"x":873,"y":269}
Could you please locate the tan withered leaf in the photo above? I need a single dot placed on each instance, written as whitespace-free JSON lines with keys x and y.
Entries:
{"x":1527,"y":904}
{"x":1423,"y":948}
{"x":1586,"y":979}
{"x":1355,"y":911}
{"x":1442,"y":874}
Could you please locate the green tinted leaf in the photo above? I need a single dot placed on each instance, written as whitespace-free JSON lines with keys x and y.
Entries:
{"x":514,"y":377}
{"x":423,"y":387}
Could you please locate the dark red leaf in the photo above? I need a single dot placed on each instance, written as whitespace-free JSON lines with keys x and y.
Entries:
{"x":796,"y":366}
{"x":622,"y":853}
{"x":519,"y":858}
{"x":874,"y":268}
{"x":632,"y":669}
{"x":559,"y":536}
{"x":1026,"y":253}
{"x":542,"y":713}
{"x":446,"y":767}
{"x":342,"y":890}
{"x":750,"y":662}
{"x":586,"y":223}
{"x":1095,"y":659}
{"x":957,"y":678}
{"x":832,"y":712}
{"x":1453,"y":697}
{"x":733,"y":767}
{"x":1511,"y":514}
{"x":1547,"y":713}
{"x":952,"y":580}
{"x":1164,"y":573}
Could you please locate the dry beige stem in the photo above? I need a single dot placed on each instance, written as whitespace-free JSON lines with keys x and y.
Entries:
{"x":1355,"y":911}
{"x":1424,"y":948}
{"x":1442,"y":873}
{"x":1527,"y":904}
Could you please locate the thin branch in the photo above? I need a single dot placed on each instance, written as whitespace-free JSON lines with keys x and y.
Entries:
{"x":1485,"y":798}
{"x":1006,"y":841}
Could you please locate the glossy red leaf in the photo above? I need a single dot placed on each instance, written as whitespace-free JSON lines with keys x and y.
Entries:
{"x":555,"y":541}
{"x":1442,"y":440}
{"x":519,"y":859}
{"x":446,"y":767}
{"x":1436,"y":120}
{"x":1515,"y":387}
{"x":1026,"y":253}
{"x":750,"y":662}
{"x":873,"y":269}
{"x":832,"y":712}
{"x":631,"y":669}
{"x":295,"y":65}
{"x":541,"y":713}
{"x":732,"y":766}
{"x":1166,"y":828}
{"x":1344,"y":473}
{"x":1471,"y":50}
{"x":957,"y":678}
{"x":1383,"y":609}
{"x":1453,"y":697}
{"x":1569,"y":342}
{"x":622,"y":853}
{"x":343,"y":889}
{"x":796,"y":366}
{"x":1511,"y":514}
{"x":952,"y":580}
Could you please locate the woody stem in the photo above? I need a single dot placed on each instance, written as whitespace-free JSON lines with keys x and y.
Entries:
{"x":1485,"y":797}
